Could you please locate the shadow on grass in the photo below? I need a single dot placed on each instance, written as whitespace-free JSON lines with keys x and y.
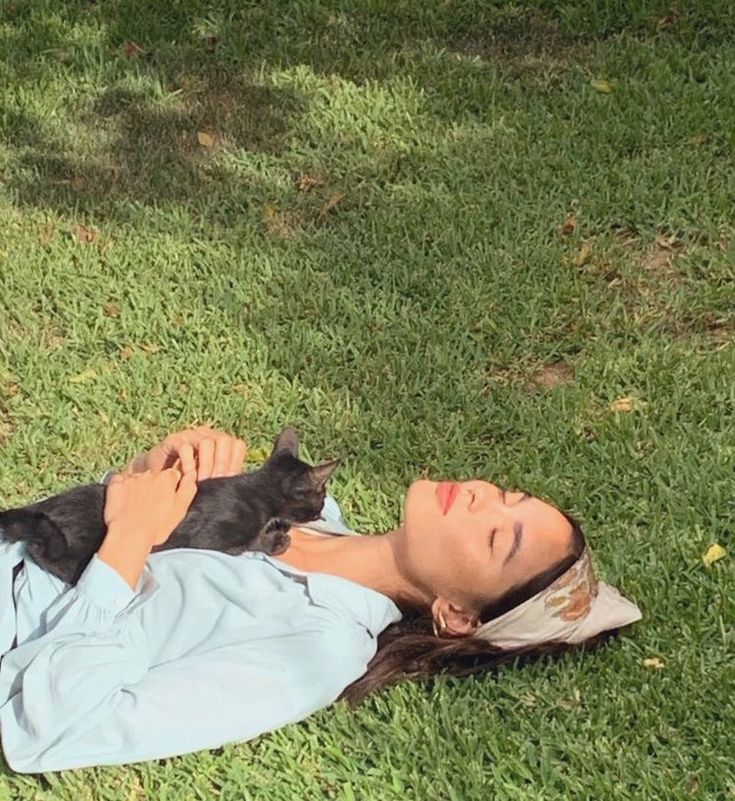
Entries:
{"x":137,"y":141}
{"x":143,"y":152}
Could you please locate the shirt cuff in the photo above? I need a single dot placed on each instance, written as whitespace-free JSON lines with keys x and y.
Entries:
{"x":104,"y":586}
{"x":107,"y":476}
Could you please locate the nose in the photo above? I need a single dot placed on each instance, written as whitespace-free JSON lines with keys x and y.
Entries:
{"x":484,"y":495}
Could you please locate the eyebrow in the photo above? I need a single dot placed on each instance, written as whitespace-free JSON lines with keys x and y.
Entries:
{"x":517,"y":535}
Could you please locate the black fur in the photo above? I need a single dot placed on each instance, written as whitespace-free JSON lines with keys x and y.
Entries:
{"x":249,"y":512}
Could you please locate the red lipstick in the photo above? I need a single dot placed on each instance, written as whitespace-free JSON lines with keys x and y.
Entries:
{"x":446,"y":492}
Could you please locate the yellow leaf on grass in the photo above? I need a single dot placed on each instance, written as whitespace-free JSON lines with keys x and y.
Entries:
{"x":654,"y":663}
{"x":622,"y":404}
{"x":713,"y":554}
{"x":584,"y":254}
{"x":205,"y":139}
{"x":149,"y":347}
{"x":85,"y":375}
{"x":601,"y":85}
{"x":257,"y":455}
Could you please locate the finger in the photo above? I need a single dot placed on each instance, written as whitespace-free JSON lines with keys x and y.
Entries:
{"x":186,"y":454}
{"x":157,"y":458}
{"x":237,"y":457}
{"x":222,"y":455}
{"x":206,"y":459}
{"x":172,"y":475}
{"x":186,"y":491}
{"x":116,"y":479}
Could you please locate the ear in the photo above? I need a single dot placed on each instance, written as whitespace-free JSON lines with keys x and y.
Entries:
{"x":461,"y":622}
{"x":320,"y":473}
{"x":286,"y":442}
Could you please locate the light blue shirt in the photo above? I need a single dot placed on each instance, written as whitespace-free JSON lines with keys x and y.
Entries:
{"x":209,"y":649}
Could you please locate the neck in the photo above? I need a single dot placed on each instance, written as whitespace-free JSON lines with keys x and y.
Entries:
{"x":368,"y":560}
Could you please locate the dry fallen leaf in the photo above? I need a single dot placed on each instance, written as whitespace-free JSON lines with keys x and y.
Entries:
{"x":85,"y":375}
{"x":131,"y":50}
{"x":601,"y":85}
{"x":111,"y":310}
{"x":149,"y":347}
{"x":570,"y":224}
{"x":126,"y":352}
{"x":669,"y":19}
{"x":584,"y":255}
{"x":205,"y":139}
{"x":308,"y":182}
{"x":669,"y":243}
{"x":334,"y":200}
{"x":622,"y":404}
{"x":654,"y":662}
{"x":83,"y":234}
{"x":713,"y":554}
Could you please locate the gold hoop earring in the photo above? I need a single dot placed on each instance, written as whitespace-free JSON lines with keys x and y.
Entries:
{"x":442,"y":625}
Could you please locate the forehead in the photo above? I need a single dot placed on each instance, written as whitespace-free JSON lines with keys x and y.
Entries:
{"x":541,"y":519}
{"x":546,"y":535}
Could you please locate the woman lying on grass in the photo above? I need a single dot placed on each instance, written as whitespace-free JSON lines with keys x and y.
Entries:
{"x":156,"y":654}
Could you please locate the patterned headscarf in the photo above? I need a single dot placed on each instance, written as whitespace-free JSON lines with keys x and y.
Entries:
{"x":571,"y":610}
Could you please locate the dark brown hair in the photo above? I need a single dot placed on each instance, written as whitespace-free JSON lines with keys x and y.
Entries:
{"x":409,"y":649}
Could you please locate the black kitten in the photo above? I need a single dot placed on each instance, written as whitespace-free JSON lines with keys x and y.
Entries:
{"x":249,"y":512}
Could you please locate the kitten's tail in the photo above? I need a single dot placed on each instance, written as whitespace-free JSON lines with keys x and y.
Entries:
{"x":36,"y":529}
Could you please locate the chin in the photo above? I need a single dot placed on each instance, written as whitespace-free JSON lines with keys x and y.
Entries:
{"x":419,"y":492}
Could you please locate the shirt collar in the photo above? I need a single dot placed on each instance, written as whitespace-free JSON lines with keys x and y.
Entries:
{"x":366,"y":606}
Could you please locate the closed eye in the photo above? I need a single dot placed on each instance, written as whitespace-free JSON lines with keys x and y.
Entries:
{"x":492,"y":539}
{"x":524,"y":497}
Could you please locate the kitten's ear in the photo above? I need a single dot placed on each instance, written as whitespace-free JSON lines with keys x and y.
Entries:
{"x":286,"y":442}
{"x":320,"y":473}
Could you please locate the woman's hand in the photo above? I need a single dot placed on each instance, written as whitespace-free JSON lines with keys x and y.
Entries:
{"x":149,"y":505}
{"x":212,"y":454}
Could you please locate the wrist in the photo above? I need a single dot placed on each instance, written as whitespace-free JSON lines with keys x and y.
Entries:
{"x":126,"y":551}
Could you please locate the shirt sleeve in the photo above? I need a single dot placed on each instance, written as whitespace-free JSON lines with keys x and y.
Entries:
{"x":86,"y":694}
{"x":107,"y":476}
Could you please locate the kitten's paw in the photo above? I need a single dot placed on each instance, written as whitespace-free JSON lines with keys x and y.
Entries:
{"x":273,"y":538}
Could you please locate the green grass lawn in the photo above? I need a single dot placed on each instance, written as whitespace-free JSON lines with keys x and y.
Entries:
{"x":440,"y":239}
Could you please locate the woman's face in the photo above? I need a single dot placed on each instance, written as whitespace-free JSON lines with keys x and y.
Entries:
{"x":465,"y":544}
